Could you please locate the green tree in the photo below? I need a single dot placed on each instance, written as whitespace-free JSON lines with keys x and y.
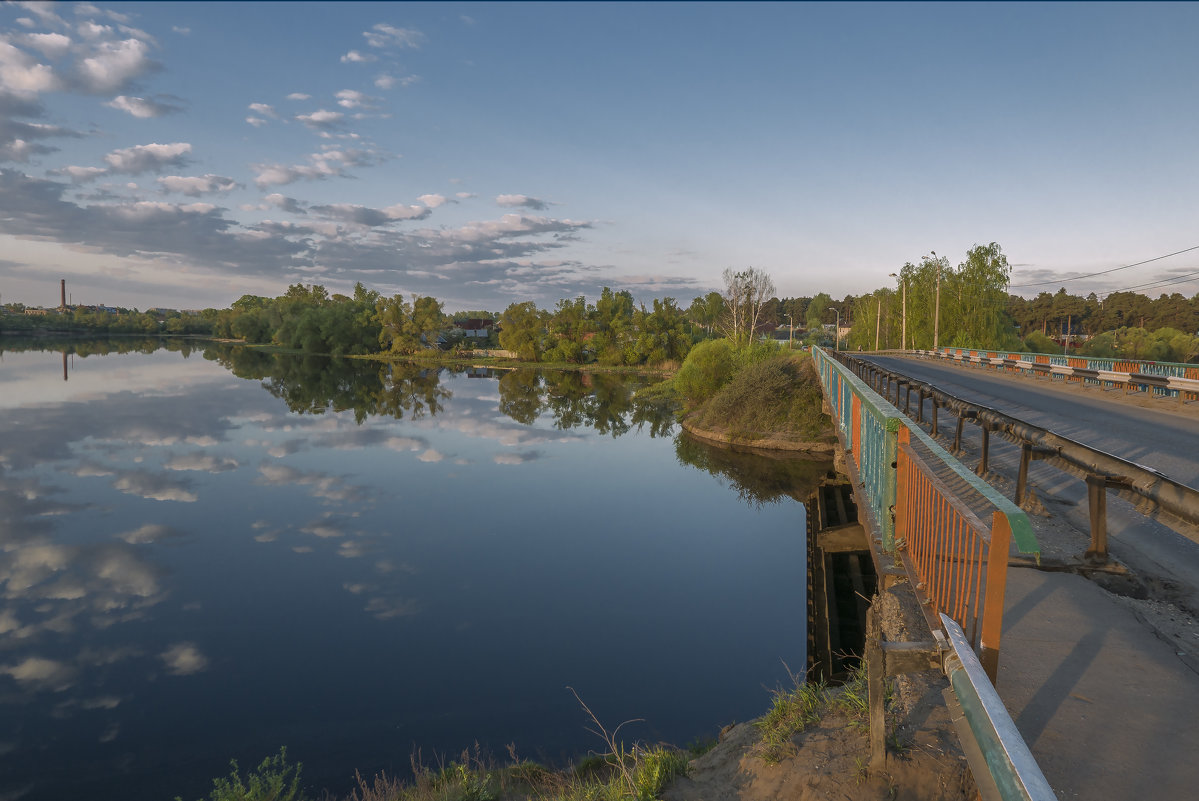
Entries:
{"x":521,"y":330}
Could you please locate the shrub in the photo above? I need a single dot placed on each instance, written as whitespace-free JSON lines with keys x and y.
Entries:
{"x":707,"y":368}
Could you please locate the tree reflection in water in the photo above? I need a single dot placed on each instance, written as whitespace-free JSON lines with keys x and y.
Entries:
{"x":759,"y":477}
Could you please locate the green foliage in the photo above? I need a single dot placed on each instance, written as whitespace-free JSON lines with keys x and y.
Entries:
{"x":1036,"y":342}
{"x":779,"y":397}
{"x":708,"y":367}
{"x":1162,"y":345}
{"x":521,"y":331}
{"x":791,"y":711}
{"x":273,"y":780}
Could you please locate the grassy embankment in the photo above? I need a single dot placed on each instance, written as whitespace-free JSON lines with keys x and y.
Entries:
{"x":753,"y":396}
{"x":620,"y":773}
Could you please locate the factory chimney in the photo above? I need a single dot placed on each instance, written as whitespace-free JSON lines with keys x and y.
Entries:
{"x":62,"y":304}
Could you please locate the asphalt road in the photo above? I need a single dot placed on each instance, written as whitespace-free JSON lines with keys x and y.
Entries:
{"x":1152,"y":432}
{"x":1159,"y":436}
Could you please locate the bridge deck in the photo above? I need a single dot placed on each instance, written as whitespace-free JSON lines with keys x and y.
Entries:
{"x":1108,"y":709}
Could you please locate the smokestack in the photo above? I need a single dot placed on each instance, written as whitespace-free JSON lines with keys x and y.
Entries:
{"x":63,"y":286}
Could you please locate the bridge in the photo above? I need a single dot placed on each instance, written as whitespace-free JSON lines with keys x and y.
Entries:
{"x":1057,"y":687}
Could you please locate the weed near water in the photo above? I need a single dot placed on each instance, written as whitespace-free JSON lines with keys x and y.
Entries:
{"x":792,"y":710}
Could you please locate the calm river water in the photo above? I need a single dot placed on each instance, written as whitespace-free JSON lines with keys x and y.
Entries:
{"x":210,"y":553}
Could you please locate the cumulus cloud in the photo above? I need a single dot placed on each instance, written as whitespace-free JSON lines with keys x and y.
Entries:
{"x":433,"y":201}
{"x":288,"y":204}
{"x":350,"y":98}
{"x":384,"y":35}
{"x":148,"y":158}
{"x":431,"y":455}
{"x":22,"y":74}
{"x":265,"y":110}
{"x":355,"y":57}
{"x":51,"y":45}
{"x":321,"y":120}
{"x":195,"y":186}
{"x":299,"y":96}
{"x":184,"y":659}
{"x":326,"y":164}
{"x":363,"y":215}
{"x":386,"y":81}
{"x":112,"y":65}
{"x":141,"y":107}
{"x":523,"y":201}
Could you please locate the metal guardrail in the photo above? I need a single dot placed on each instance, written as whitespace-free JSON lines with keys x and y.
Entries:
{"x":957,"y":561}
{"x":1161,"y":378}
{"x":1001,"y":751}
{"x":1151,"y":492}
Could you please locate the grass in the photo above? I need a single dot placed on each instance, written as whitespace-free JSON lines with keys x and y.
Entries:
{"x":776,"y":398}
{"x":620,"y":772}
{"x":805,"y":704}
{"x":790,"y":713}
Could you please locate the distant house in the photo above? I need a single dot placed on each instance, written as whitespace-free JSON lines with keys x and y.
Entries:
{"x":475,"y":327}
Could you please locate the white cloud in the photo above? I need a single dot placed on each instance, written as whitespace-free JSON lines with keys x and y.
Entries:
{"x":148,"y":158}
{"x":431,"y":455}
{"x":51,"y":45}
{"x":265,"y":110}
{"x":386,"y":81}
{"x":465,"y":195}
{"x":257,"y":122}
{"x":523,"y":201}
{"x":180,"y":30}
{"x":321,"y":120}
{"x":349,"y":98}
{"x":184,"y":658}
{"x":194,"y":186}
{"x":114,"y":64}
{"x":384,"y":35}
{"x":21,"y":74}
{"x":299,"y":96}
{"x":83,"y":174}
{"x":433,"y":201}
{"x":356,"y":57}
{"x":327,"y":163}
{"x":141,"y":107}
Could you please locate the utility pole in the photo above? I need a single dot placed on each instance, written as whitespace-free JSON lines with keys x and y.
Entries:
{"x":937,"y":311}
{"x":790,"y":332}
{"x":878,"y":322}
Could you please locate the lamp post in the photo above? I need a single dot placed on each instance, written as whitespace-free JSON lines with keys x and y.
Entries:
{"x":937,"y":311}
{"x":837,"y":340}
{"x":790,"y":331}
{"x":903,"y":341}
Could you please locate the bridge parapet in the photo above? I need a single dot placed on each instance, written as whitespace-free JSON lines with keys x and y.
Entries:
{"x":952,"y":533}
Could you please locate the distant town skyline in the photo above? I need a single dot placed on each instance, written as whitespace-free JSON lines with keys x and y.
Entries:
{"x":181,"y":155}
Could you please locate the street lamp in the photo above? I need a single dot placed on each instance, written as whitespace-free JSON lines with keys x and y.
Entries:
{"x":837,"y":341}
{"x":790,"y":330}
{"x":903,"y":342}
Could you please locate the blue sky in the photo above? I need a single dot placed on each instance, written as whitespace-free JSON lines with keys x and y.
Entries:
{"x":185,"y":154}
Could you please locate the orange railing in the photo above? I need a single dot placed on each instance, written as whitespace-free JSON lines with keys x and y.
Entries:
{"x":959,"y":563}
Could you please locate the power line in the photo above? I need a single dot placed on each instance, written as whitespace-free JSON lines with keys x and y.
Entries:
{"x":1102,"y":272}
{"x":1164,"y":282}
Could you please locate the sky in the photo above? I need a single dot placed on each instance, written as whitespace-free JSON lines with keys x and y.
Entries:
{"x":182,"y":155}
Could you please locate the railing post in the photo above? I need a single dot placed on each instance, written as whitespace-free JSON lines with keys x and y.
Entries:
{"x":891,"y":433}
{"x":986,"y":451}
{"x":1022,"y":476}
{"x":875,"y":691}
{"x":992,"y":622}
{"x":1097,"y":496}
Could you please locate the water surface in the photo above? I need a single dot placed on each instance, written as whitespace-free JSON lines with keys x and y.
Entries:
{"x":208,"y":554}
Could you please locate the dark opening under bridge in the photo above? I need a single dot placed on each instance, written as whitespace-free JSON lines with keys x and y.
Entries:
{"x":1086,"y":694}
